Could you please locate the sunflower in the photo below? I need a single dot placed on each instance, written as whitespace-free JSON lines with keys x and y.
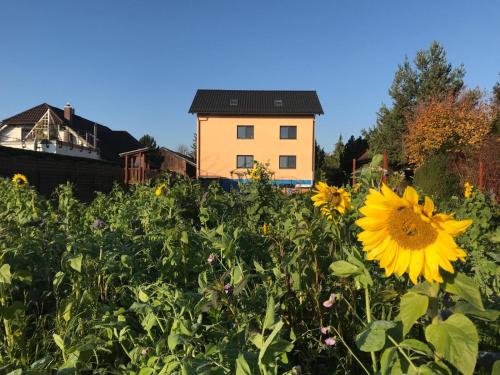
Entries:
{"x":253,"y":174}
{"x":407,"y":237}
{"x":160,"y":189}
{"x":467,"y":190}
{"x":19,"y":180}
{"x":331,"y":199}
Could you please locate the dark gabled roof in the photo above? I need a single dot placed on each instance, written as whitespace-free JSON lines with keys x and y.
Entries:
{"x":256,"y":102}
{"x":32,"y":115}
{"x":110,"y":142}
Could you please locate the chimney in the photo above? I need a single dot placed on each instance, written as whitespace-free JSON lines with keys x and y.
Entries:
{"x":69,"y":111}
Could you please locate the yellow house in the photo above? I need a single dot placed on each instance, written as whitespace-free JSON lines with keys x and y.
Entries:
{"x":235,"y":128}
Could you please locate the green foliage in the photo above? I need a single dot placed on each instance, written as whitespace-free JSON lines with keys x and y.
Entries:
{"x":481,"y":241}
{"x":148,"y":141}
{"x":189,"y":282}
{"x":319,"y":162}
{"x":436,"y":179}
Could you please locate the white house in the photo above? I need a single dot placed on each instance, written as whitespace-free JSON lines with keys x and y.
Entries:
{"x":45,"y":128}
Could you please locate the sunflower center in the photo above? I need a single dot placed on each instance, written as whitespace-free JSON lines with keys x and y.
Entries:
{"x":409,"y":230}
{"x":335,"y":199}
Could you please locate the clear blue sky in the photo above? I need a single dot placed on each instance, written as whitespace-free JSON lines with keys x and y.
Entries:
{"x":136,"y":65}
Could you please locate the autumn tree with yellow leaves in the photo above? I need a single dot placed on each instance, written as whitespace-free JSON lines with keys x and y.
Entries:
{"x":451,"y":124}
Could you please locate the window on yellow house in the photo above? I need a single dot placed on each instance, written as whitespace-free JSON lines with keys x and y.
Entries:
{"x":245,"y":131}
{"x":288,"y":161}
{"x":244,"y":161}
{"x":288,"y":132}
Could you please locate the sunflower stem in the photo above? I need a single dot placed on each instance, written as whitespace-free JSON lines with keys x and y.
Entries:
{"x":369,"y":319}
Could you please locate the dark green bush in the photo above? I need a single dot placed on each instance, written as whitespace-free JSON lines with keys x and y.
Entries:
{"x":435,"y":178}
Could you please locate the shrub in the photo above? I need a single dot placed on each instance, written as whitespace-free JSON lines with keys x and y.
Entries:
{"x":435,"y":178}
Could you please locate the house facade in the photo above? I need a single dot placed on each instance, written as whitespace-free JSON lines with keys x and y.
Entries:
{"x":45,"y":128}
{"x":235,"y":128}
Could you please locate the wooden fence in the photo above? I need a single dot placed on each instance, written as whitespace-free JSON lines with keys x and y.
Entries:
{"x":46,"y":171}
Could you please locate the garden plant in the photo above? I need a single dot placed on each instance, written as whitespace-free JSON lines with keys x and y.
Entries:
{"x":172,"y":278}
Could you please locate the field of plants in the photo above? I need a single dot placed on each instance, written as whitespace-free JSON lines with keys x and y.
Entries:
{"x":173,"y":278}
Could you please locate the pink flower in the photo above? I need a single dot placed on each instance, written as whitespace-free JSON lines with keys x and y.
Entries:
{"x":330,"y":301}
{"x":210,"y":258}
{"x":330,"y":341}
{"x":324,"y":330}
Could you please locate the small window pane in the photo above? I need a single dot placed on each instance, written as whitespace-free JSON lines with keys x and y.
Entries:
{"x":288,"y":132}
{"x":245,"y":131}
{"x":244,"y":161}
{"x":288,"y":162}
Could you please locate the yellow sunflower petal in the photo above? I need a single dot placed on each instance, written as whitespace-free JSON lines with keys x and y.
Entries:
{"x":451,"y":226}
{"x":403,"y":261}
{"x":428,"y":206}
{"x":371,"y":223}
{"x":416,"y":265}
{"x":411,"y":195}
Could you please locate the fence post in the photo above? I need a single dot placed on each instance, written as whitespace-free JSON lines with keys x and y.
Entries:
{"x":481,"y":175}
{"x":353,"y":171}
{"x":386,"y":167}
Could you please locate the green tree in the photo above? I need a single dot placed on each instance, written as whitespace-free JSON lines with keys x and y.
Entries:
{"x":333,"y":171}
{"x":148,"y":141}
{"x":194,"y":147}
{"x":429,"y":76}
{"x":319,"y":162}
{"x":155,"y":157}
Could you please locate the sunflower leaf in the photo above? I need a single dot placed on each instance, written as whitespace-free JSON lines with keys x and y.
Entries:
{"x":464,"y":287}
{"x":411,"y":308}
{"x":342,"y":268}
{"x":388,"y":357}
{"x":456,"y":340}
{"x":468,"y":309}
{"x":417,"y":346}
{"x":426,"y":288}
{"x":371,"y":340}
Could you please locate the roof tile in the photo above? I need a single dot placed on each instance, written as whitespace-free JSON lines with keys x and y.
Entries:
{"x":261,"y":102}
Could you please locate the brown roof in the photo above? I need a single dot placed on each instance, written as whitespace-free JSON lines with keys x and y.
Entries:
{"x":110,"y":142}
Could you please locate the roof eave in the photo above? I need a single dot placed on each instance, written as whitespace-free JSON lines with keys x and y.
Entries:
{"x":202,"y":113}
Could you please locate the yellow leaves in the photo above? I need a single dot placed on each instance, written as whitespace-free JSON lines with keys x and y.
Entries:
{"x":447,"y":124}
